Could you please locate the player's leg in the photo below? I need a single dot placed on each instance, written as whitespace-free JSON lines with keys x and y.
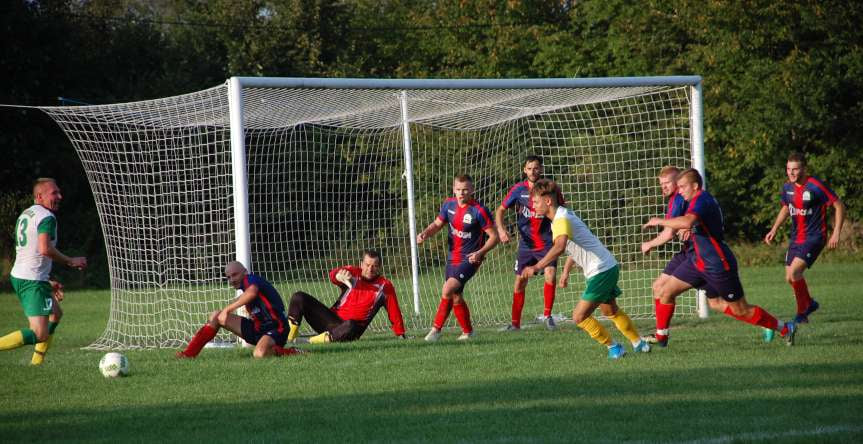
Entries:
{"x":671,"y":288}
{"x":625,"y":325}
{"x":37,"y":302}
{"x":582,"y":315}
{"x":443,"y":308}
{"x":797,"y":260}
{"x":264,"y":347}
{"x":549,"y":291}
{"x":204,"y":335}
{"x":519,"y":287}
{"x":53,"y":321}
{"x":348,"y":330}
{"x":318,"y":315}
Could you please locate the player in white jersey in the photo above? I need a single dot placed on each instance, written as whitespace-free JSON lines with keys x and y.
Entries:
{"x":600,"y":268}
{"x":35,"y":252}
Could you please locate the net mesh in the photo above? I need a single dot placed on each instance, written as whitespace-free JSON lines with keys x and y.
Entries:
{"x":326,"y":179}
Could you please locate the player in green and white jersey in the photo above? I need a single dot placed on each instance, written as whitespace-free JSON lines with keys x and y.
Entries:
{"x":601,"y":270}
{"x":35,"y":252}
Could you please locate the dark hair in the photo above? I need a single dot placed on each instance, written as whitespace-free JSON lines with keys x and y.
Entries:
{"x":374,"y":254}
{"x":463,"y":178}
{"x":532,"y":158}
{"x":693,"y":176}
{"x":547,"y":187}
{"x":797,"y":156}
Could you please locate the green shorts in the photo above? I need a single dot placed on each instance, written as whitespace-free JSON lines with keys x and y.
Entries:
{"x":35,"y":296}
{"x":603,"y":288}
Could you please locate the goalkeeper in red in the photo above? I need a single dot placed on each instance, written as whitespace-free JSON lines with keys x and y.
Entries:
{"x":363,"y":292}
{"x":710,"y":266}
{"x":35,"y":253}
{"x":570,"y":234}
{"x":806,"y":200}
{"x":266,"y":328}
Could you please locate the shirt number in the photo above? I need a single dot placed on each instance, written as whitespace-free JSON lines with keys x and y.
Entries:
{"x":21,"y":238}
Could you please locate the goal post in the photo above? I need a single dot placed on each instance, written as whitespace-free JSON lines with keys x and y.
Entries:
{"x":294,"y":176}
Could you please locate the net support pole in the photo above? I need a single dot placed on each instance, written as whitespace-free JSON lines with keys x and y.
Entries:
{"x":697,"y":148}
{"x":239,"y":173}
{"x":409,"y":182}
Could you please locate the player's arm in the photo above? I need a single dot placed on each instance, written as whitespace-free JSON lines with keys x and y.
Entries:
{"x":563,"y":281}
{"x":56,"y":289}
{"x":685,"y":222}
{"x":478,"y":255}
{"x":48,"y":250}
{"x":393,"y":311}
{"x":499,"y":223}
{"x":780,"y":218}
{"x":249,"y":295}
{"x":837,"y":225}
{"x":662,"y":238}
{"x":557,"y":248}
{"x":341,"y":277}
{"x":430,"y":230}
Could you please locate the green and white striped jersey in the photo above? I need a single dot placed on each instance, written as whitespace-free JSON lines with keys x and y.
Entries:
{"x":29,"y":263}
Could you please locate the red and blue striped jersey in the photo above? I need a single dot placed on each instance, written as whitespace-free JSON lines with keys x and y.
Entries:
{"x":363,"y":299}
{"x":267,"y":310}
{"x":535,"y":229}
{"x":466,"y":228}
{"x":807,"y":206}
{"x":711,"y":253}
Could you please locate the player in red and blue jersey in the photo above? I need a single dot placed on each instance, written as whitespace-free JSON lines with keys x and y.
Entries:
{"x":806,"y":199}
{"x":533,"y":244}
{"x":267,"y":326}
{"x":363,"y":292}
{"x":710,"y":266}
{"x":471,"y":235}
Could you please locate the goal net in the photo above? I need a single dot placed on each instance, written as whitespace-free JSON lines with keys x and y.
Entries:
{"x":326,"y":168}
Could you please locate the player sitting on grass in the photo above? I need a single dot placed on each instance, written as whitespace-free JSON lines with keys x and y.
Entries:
{"x":601,"y":270}
{"x":711,"y":265}
{"x":364,"y":292}
{"x":267,"y":329}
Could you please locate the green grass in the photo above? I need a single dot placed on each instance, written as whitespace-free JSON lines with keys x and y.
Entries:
{"x":715,"y":383}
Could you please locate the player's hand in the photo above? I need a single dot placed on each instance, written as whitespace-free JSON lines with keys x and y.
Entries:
{"x":222,"y":317}
{"x":684,"y":235}
{"x":833,"y":242}
{"x":475,"y":258}
{"x":503,"y":235}
{"x":56,"y":290}
{"x":528,"y":271}
{"x":344,"y":276}
{"x":420,"y":238}
{"x":645,"y":248}
{"x":769,"y":237}
{"x":77,"y":262}
{"x":563,"y":281}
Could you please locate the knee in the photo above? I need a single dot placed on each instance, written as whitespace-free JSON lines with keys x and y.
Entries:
{"x":214,"y":319}
{"x":297,"y":297}
{"x":657,"y":286}
{"x":579,"y":317}
{"x":258,"y":353}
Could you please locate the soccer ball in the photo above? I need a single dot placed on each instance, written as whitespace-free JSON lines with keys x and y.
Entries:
{"x":113,"y":365}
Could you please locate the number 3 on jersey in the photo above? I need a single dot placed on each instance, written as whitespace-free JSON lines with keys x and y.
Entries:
{"x":21,"y":232}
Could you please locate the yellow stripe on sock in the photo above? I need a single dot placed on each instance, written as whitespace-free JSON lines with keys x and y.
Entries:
{"x":320,"y":339}
{"x":40,"y":350}
{"x":624,"y":324}
{"x":595,"y":330}
{"x":292,"y":334}
{"x":12,"y":340}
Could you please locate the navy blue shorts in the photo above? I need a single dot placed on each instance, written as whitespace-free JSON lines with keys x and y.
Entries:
{"x":461,"y":272}
{"x":252,"y":336}
{"x":678,"y":258}
{"x":725,"y":285}
{"x":525,"y":258}
{"x":808,"y":251}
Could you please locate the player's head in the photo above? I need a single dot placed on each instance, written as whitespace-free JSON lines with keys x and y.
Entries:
{"x":370,"y":267}
{"x":545,"y":195}
{"x":235,"y":272}
{"x":47,"y":193}
{"x":689,"y":182}
{"x":668,"y":180}
{"x":462,"y":188}
{"x":533,"y":168}
{"x":795,"y":168}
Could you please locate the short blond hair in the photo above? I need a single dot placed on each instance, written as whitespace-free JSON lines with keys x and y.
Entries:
{"x":37,"y":184}
{"x":669,"y":169}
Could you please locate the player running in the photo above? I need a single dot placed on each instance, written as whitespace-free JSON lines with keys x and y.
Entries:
{"x":364,"y":292}
{"x":534,"y":242}
{"x":806,"y":199}
{"x":600,"y":269}
{"x":267,"y":327}
{"x":471,"y":235}
{"x":711,"y":265}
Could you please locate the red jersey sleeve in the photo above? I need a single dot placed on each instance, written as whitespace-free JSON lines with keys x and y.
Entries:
{"x":393,"y":311}
{"x":355,"y":271}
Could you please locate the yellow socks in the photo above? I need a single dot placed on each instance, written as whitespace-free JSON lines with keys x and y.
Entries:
{"x":40,"y":350}
{"x":295,"y":330}
{"x":17,"y":338}
{"x":595,"y":330}
{"x":322,"y":338}
{"x":625,"y":325}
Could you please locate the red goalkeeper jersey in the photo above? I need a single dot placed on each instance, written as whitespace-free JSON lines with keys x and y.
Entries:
{"x":362,"y":301}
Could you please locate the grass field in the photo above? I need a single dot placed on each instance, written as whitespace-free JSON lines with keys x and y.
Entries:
{"x":716,"y":382}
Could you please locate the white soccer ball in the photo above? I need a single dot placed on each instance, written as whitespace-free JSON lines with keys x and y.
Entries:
{"x":114,"y":365}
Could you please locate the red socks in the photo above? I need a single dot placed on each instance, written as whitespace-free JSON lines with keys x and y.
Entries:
{"x":462,"y":314}
{"x":664,"y":312}
{"x":201,"y":338}
{"x":801,"y":293}
{"x":759,"y":317}
{"x":442,"y":313}
{"x":517,"y":306}
{"x":548,"y":294}
{"x":280,"y":351}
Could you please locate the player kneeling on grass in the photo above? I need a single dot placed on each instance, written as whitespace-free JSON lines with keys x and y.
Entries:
{"x":267,"y":329}
{"x":711,"y":265}
{"x":364,"y":292}
{"x":600,"y":268}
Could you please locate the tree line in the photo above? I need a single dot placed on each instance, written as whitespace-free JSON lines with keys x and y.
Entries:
{"x":779,"y":75}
